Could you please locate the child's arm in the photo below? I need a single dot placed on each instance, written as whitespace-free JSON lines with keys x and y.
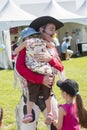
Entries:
{"x":59,"y":123}
{"x":21,"y":47}
{"x":56,"y":63}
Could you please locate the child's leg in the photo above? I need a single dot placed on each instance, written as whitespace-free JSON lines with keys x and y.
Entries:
{"x":31,"y":98}
{"x":48,"y":102}
{"x":29,"y":107}
{"x":49,"y":105}
{"x":28,"y":117}
{"x":49,"y":117}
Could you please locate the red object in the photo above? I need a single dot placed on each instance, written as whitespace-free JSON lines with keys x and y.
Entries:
{"x":25,"y":72}
{"x":56,"y":62}
{"x":63,"y":56}
{"x":13,"y":56}
{"x":28,"y":74}
{"x":14,"y":30}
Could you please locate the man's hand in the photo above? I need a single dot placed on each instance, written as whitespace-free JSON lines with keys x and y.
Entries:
{"x":48,"y":81}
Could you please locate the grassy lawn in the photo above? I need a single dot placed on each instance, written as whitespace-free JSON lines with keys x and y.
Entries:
{"x":9,"y":96}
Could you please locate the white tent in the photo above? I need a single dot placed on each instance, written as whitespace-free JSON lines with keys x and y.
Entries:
{"x":79,"y":3}
{"x":10,"y":16}
{"x":83,"y":9}
{"x":55,"y":10}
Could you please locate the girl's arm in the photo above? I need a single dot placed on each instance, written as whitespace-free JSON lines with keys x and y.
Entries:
{"x":19,"y":48}
{"x":59,"y":123}
{"x":56,"y":63}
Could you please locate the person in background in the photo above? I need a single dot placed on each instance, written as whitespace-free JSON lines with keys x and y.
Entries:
{"x":57,"y":44}
{"x":14,"y":44}
{"x":72,"y":113}
{"x":78,"y":48}
{"x":67,"y":36}
{"x":66,"y":53}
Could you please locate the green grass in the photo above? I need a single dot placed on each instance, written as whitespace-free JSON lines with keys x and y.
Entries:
{"x":76,"y":69}
{"x":9,"y":98}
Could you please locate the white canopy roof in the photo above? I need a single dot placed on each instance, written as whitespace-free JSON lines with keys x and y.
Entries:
{"x":83,"y":9}
{"x":55,"y":10}
{"x":11,"y":16}
{"x":78,"y":3}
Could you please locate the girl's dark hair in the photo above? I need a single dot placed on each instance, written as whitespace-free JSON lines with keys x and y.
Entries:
{"x":82,"y":112}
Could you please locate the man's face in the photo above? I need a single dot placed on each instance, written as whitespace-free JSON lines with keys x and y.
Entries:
{"x":66,"y":34}
{"x":50,"y":29}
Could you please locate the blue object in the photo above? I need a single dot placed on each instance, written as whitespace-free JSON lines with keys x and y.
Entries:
{"x":27,"y":32}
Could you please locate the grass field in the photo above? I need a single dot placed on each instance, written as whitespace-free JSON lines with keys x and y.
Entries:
{"x":76,"y":69}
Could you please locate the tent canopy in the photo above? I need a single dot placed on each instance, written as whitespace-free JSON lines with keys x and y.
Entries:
{"x":55,"y":10}
{"x":11,"y":16}
{"x":82,"y":9}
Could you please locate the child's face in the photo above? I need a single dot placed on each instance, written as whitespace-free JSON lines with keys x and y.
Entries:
{"x":63,"y":93}
{"x":26,"y":38}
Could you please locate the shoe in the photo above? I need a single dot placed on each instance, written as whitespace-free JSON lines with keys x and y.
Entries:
{"x":49,"y":119}
{"x":27,"y":118}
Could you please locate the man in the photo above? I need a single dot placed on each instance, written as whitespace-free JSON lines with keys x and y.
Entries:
{"x":47,"y":26}
{"x":66,"y":53}
{"x":14,"y":43}
{"x":67,"y":36}
{"x":57,"y":44}
{"x":13,"y":46}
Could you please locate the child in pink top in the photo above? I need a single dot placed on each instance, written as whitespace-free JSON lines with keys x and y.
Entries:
{"x":72,"y":114}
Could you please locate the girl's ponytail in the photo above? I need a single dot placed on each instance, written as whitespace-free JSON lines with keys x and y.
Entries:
{"x":82,"y":112}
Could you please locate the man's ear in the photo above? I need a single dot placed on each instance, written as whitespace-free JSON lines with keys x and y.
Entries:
{"x":41,"y":29}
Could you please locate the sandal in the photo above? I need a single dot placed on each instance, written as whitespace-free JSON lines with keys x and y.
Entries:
{"x":27,"y":118}
{"x":49,"y":119}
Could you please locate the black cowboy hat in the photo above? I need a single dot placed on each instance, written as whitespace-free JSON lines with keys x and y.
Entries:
{"x":41,"y":21}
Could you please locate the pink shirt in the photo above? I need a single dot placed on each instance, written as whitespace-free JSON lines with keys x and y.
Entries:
{"x":71,"y":120}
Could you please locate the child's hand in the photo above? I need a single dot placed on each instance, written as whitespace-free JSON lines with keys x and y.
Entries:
{"x":48,"y":81}
{"x":55,"y":122}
